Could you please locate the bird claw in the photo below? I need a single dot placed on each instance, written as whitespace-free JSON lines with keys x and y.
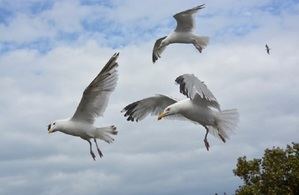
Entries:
{"x":197,"y":46}
{"x":93,"y":155}
{"x":207,"y":144}
{"x":100,"y":153}
{"x":199,"y":49}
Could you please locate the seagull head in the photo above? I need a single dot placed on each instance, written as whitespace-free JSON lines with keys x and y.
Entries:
{"x":52,"y":127}
{"x":170,"y":110}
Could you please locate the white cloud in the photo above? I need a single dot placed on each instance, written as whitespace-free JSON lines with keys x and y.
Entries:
{"x":66,"y":16}
{"x":25,"y":29}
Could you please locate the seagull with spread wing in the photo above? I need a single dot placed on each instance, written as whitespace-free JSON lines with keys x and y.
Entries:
{"x":200,"y":107}
{"x":93,"y":104}
{"x":184,"y":33}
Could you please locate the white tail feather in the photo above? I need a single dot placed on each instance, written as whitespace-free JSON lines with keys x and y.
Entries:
{"x":104,"y":133}
{"x":202,"y":41}
{"x":226,"y":122}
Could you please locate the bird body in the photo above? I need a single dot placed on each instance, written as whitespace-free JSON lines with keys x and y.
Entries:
{"x":83,"y":130}
{"x":179,"y":37}
{"x":93,"y":104}
{"x":74,"y":128}
{"x":198,"y":113}
{"x":194,"y":112}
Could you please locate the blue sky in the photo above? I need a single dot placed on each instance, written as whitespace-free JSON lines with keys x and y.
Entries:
{"x":92,"y":22}
{"x":51,"y":50}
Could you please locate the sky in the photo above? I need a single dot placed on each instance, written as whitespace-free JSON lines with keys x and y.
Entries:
{"x":51,"y":50}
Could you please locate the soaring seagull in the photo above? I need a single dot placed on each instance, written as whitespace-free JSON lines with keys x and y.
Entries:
{"x":200,"y":107}
{"x":184,"y":33}
{"x":93,"y":104}
{"x":267,"y":49}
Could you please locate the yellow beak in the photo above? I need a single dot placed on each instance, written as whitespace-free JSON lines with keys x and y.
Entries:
{"x":161,"y":115}
{"x":50,"y":131}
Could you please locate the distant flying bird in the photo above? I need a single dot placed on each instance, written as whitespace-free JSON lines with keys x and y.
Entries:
{"x":184,"y":33}
{"x":200,"y":107}
{"x":267,"y":49}
{"x":93,"y":104}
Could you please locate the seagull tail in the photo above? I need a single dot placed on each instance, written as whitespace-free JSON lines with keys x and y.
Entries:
{"x":226,"y":122}
{"x":104,"y":133}
{"x":203,"y":41}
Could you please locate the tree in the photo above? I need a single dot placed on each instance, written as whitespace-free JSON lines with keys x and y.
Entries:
{"x":276,"y":173}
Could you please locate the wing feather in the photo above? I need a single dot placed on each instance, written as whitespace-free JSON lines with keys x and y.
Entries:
{"x":153,"y":105}
{"x":196,"y":90}
{"x":157,"y":50}
{"x":185,"y":19}
{"x":95,"y":97}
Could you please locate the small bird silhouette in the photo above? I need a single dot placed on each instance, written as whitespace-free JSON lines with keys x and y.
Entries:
{"x":267,"y":49}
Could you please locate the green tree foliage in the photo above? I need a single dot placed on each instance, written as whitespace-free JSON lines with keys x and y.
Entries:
{"x":276,"y":173}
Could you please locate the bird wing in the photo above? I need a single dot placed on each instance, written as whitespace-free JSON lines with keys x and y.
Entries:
{"x":95,"y":97}
{"x":185,"y":19}
{"x":153,"y":105}
{"x":196,"y":90}
{"x":157,"y":50}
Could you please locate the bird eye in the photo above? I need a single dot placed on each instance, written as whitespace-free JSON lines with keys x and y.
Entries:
{"x":167,"y":110}
{"x":54,"y":123}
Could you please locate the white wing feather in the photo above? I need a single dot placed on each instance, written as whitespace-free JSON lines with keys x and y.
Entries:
{"x":196,"y":90}
{"x":95,"y":97}
{"x":185,"y":19}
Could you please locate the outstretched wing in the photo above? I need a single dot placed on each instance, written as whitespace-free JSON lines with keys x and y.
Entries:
{"x":153,"y":105}
{"x":157,"y":50}
{"x":95,"y":97}
{"x":196,"y":90}
{"x":185,"y":19}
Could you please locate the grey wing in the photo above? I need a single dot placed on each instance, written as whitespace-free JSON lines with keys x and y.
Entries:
{"x":153,"y":105}
{"x":185,"y":19}
{"x":196,"y":90}
{"x":95,"y":97}
{"x":157,"y":50}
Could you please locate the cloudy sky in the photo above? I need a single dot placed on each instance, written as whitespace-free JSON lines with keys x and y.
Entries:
{"x":51,"y":50}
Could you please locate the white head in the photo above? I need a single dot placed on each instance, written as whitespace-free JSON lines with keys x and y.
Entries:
{"x":169,"y":110}
{"x":52,"y":127}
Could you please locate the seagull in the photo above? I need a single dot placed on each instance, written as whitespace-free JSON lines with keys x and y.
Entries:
{"x":93,"y":104}
{"x":184,"y":33}
{"x":267,"y":49}
{"x":200,"y":107}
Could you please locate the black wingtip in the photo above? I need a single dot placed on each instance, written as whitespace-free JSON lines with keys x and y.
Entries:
{"x":180,"y":81}
{"x":202,"y":6}
{"x":154,"y":58}
{"x":115,"y":56}
{"x":129,"y":110}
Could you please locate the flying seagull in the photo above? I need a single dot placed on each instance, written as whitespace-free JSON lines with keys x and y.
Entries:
{"x":184,"y":33}
{"x":200,"y":107}
{"x":93,"y":104}
{"x":267,"y":49}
